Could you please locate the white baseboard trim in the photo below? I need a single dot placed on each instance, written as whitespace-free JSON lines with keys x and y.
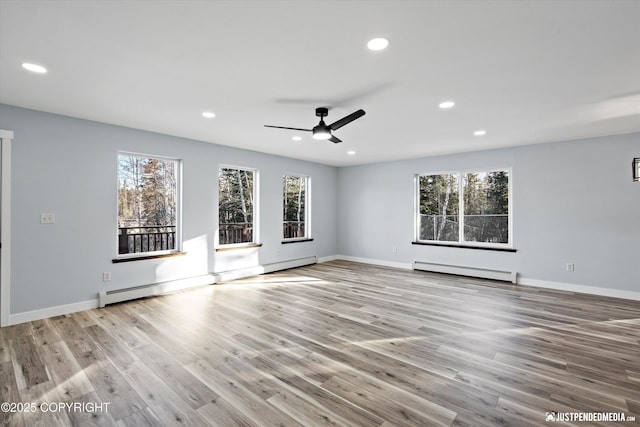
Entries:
{"x":381,"y":262}
{"x":45,"y":313}
{"x":61,"y":310}
{"x":327,"y":258}
{"x":156,"y":289}
{"x":581,"y":289}
{"x":559,"y":286}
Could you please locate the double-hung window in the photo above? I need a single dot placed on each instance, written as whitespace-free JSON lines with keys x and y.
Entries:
{"x":237,"y":206}
{"x":148,"y":205}
{"x":295,"y":208}
{"x":471,"y":208}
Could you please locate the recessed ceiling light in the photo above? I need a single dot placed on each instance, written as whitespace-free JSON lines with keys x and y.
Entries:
{"x":351,"y":152}
{"x":208,"y":115}
{"x":34,"y":67}
{"x":378,"y":43}
{"x":297,"y":138}
{"x":480,"y":132}
{"x":446,"y":104}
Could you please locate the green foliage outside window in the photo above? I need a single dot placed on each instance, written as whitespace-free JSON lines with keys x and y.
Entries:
{"x":147,"y":203}
{"x":481,"y":214}
{"x":235,"y":205}
{"x":294,"y":203}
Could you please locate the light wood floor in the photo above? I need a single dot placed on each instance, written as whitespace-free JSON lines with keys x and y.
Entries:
{"x":332,"y":344}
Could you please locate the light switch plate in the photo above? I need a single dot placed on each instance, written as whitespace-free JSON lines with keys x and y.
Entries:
{"x":47,"y":218}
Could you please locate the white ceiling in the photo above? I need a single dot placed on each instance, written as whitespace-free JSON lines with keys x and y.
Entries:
{"x":526,"y":71}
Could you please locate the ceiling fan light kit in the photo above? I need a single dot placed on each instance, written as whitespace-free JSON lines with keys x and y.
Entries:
{"x":322,"y":131}
{"x":321,"y":134}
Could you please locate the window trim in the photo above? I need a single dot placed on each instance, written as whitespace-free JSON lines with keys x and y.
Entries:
{"x":146,"y":257}
{"x":298,"y":240}
{"x":307,"y":210}
{"x":460,"y":243}
{"x":236,"y":246}
{"x":256,"y":218}
{"x":137,"y":256}
{"x":452,"y":245}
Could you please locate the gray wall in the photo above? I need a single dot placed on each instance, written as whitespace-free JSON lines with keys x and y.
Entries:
{"x":69,"y":167}
{"x":573,"y":202}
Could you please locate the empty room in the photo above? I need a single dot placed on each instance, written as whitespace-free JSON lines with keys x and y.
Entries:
{"x":320,"y":213}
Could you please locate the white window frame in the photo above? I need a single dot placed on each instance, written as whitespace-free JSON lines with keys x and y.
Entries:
{"x":461,"y":242}
{"x":256,"y":205}
{"x":307,"y":208}
{"x":178,"y":237}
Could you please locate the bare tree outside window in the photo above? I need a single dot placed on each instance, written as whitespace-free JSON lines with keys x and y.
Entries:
{"x":147,"y":204}
{"x":236,"y":197}
{"x":469,"y":207}
{"x":438,"y":216}
{"x":294,"y":207}
{"x":486,"y":207}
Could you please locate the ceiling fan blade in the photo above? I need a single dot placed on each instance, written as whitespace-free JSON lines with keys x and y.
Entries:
{"x":334,"y":139}
{"x":346,"y":120}
{"x":282,"y":127}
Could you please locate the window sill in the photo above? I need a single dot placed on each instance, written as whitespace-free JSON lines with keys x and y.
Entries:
{"x":144,"y":257}
{"x":483,"y":248}
{"x":240,"y":246}
{"x":284,"y":242}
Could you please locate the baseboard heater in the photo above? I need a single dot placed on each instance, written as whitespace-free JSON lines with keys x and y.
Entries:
{"x":135,"y":292}
{"x":508,"y":276}
{"x":224,"y":276}
{"x":120,"y":295}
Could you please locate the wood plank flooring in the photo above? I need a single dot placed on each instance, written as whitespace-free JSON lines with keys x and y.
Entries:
{"x":333,"y":344}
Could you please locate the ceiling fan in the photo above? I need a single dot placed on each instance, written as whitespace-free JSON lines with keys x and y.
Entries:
{"x":322,"y":130}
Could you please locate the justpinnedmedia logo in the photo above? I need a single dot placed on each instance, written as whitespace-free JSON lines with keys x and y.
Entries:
{"x":552,"y":416}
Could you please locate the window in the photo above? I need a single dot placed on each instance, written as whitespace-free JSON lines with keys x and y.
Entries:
{"x":464,"y":208}
{"x":236,"y":206}
{"x":148,"y":211}
{"x":295,"y":221}
{"x":439,"y":205}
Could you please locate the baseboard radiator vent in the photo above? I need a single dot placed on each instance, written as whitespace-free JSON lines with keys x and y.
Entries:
{"x":225,"y":276}
{"x":120,"y":295}
{"x":507,"y":276}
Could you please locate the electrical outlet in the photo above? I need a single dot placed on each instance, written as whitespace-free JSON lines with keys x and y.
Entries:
{"x":571,"y":267}
{"x":47,"y":218}
{"x":394,"y":249}
{"x":106,"y":276}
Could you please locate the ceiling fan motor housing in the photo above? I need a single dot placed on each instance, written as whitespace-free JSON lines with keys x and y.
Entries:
{"x":322,"y":112}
